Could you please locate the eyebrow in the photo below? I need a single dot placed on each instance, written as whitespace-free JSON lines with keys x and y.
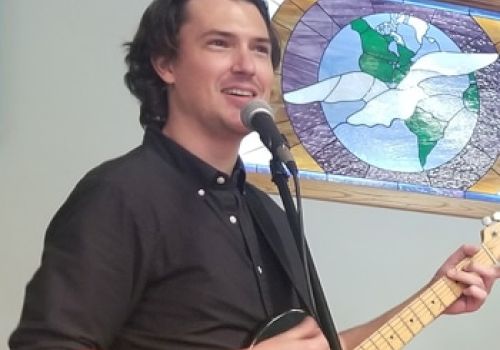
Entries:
{"x":222,"y":33}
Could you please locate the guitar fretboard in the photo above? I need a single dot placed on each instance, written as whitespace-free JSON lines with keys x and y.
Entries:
{"x":420,"y":312}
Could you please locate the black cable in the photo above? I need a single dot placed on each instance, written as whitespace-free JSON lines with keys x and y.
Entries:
{"x":294,"y":214}
{"x":303,"y":242}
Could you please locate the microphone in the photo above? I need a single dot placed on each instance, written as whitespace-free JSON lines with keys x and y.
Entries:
{"x":257,"y":115}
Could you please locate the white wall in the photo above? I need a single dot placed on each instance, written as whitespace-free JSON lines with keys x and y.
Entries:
{"x":64,"y":109}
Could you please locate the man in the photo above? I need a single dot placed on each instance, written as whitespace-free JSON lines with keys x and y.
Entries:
{"x":166,"y":247}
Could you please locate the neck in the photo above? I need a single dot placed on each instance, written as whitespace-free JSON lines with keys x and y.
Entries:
{"x":220,"y":152}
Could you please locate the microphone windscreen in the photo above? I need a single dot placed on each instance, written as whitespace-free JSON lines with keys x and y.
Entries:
{"x":251,"y":109}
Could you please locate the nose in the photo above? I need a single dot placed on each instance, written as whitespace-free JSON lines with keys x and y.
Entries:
{"x":243,"y":62}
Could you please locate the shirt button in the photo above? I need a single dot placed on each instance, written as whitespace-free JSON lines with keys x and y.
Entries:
{"x":201,"y":192}
{"x":233,"y":219}
{"x":221,"y":180}
{"x":260,"y":270}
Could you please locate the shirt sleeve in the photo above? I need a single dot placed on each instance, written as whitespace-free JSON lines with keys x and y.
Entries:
{"x":92,"y":272}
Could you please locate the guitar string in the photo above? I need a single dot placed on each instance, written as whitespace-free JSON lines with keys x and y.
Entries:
{"x":438,"y":290}
{"x":441,"y":289}
{"x":382,"y":338}
{"x":407,"y":320}
{"x":434,"y":291}
{"x":398,"y":323}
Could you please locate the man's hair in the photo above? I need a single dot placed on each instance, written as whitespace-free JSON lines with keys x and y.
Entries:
{"x":158,"y":35}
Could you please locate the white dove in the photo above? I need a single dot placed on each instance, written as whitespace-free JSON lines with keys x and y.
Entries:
{"x":399,"y":102}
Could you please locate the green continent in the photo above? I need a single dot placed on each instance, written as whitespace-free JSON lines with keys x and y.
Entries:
{"x":376,"y":59}
{"x":405,"y":57}
{"x":471,"y":95}
{"x":428,"y":130}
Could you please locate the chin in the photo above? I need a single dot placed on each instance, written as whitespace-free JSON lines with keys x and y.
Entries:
{"x":241,"y":131}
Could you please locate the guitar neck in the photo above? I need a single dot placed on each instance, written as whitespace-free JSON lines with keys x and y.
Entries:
{"x":420,"y":312}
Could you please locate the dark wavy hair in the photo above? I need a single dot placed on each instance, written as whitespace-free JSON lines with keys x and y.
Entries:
{"x":157,"y":35}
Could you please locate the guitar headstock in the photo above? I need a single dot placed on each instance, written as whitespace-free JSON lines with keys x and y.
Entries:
{"x":490,"y":235}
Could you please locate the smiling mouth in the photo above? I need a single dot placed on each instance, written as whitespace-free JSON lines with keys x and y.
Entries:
{"x":239,"y":92}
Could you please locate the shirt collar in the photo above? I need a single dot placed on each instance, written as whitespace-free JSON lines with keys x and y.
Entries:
{"x":191,"y":165}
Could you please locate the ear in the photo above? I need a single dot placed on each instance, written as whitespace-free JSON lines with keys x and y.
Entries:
{"x":163,"y":66}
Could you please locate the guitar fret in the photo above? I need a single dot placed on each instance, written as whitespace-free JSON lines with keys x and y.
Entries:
{"x":433,"y":304}
{"x":402,"y":328}
{"x":451,"y":291}
{"x":419,"y":311}
{"x":385,"y":340}
{"x":431,"y":290}
{"x":379,"y":341}
{"x":424,"y":312}
{"x":394,"y":333}
{"x":404,"y":332}
{"x":411,"y":320}
{"x":408,"y":319}
{"x":375,"y":345}
{"x":453,"y":287}
{"x":484,"y":257}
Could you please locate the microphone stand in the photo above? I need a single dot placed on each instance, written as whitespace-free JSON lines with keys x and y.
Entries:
{"x":319,"y":306}
{"x":280,"y":178}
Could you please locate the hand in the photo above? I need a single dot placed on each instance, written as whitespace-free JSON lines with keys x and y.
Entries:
{"x":477,"y":280}
{"x":306,"y":335}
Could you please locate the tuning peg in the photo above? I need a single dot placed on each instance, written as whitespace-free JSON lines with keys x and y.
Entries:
{"x":487,"y":221}
{"x":496,"y":216}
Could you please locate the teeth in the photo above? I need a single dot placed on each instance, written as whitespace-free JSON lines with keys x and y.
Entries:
{"x":238,"y":92}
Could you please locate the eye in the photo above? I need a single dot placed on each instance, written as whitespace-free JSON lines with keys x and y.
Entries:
{"x":263,"y":49}
{"x":217,"y":42}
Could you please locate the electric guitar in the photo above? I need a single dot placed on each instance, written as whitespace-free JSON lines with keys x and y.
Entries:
{"x":420,"y":312}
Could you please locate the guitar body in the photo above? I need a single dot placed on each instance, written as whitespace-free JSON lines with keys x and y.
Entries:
{"x":279,"y":324}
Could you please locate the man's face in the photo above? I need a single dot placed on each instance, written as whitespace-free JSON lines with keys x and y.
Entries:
{"x":223,"y":62}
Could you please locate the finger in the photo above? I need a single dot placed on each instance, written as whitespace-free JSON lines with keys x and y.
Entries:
{"x":487,"y":273}
{"x":317,"y":342}
{"x":482,"y":270}
{"x":465,"y":251}
{"x":469,"y":250}
{"x":477,"y":293}
{"x":307,"y":328}
{"x":466,"y":278}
